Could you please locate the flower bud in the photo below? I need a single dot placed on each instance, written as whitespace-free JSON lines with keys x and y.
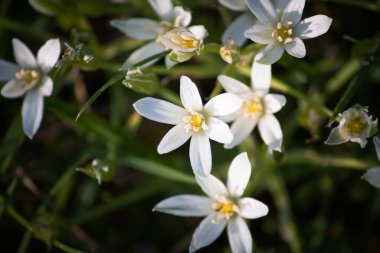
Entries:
{"x":230,"y":53}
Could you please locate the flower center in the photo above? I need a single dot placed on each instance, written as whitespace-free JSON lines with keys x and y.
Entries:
{"x":195,"y":122}
{"x":355,"y":125}
{"x":283,"y":32}
{"x":184,"y":41}
{"x":224,"y":207}
{"x":252,"y":107}
{"x":27,"y":77}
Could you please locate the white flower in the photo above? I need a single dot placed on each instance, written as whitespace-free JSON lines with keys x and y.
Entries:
{"x":282,"y":29}
{"x":194,"y":120}
{"x":355,"y":125}
{"x":223,"y":207}
{"x":151,"y":30}
{"x":257,"y":109}
{"x":30,"y":78}
{"x":373,"y":174}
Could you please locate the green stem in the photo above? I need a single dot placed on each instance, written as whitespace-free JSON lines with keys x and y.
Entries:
{"x":343,"y":76}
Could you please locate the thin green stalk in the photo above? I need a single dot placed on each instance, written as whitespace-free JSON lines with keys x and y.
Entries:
{"x":344,"y":75}
{"x":25,"y":242}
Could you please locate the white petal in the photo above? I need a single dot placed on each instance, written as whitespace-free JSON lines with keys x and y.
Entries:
{"x":260,"y":33}
{"x":237,"y":28}
{"x":164,"y":9}
{"x":373,"y":176}
{"x":182,"y":17}
{"x":7,"y":70}
{"x":335,"y":138}
{"x":48,"y":54}
{"x":173,"y":139}
{"x":24,"y":57}
{"x":142,"y":53}
{"x":280,"y":4}
{"x":238,"y":175}
{"x":223,"y":104}
{"x":206,"y":233}
{"x":13,"y":89}
{"x":362,"y":142}
{"x":270,"y":54}
{"x":230,"y":117}
{"x":274,"y":102}
{"x":138,"y":28}
{"x":200,"y":154}
{"x":190,"y":97}
{"x":32,"y":110}
{"x":235,"y":5}
{"x":169,"y":63}
{"x":296,"y":48}
{"x":239,"y":236}
{"x":241,"y":129}
{"x":263,"y":10}
{"x":250,"y":208}
{"x":160,"y":110}
{"x":46,"y":87}
{"x":41,"y":9}
{"x":199,"y":31}
{"x":293,"y":11}
{"x":261,"y":76}
{"x":313,"y":27}
{"x":376,"y":142}
{"x":218,"y":131}
{"x":232,"y":85}
{"x":270,"y":131}
{"x":185,"y":205}
{"x":212,"y":186}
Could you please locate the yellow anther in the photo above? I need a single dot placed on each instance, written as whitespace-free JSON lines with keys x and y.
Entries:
{"x":283,"y":32}
{"x":252,"y":107}
{"x":195,"y":122}
{"x":29,"y":77}
{"x":226,"y":208}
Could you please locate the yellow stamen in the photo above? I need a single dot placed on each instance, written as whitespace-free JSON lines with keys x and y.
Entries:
{"x":28,"y":77}
{"x":195,"y":122}
{"x":225,"y":207}
{"x":252,"y":107}
{"x":283,"y":32}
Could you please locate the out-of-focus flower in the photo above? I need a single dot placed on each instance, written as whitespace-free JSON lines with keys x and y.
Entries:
{"x":257,"y":109}
{"x":30,"y":78}
{"x":355,"y":125}
{"x":151,"y":30}
{"x":41,"y":8}
{"x":230,"y":52}
{"x":194,"y":121}
{"x":372,"y":175}
{"x":223,"y":207}
{"x":282,"y":29}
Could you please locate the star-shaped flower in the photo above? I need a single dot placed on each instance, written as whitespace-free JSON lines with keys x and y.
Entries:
{"x":223,"y":207}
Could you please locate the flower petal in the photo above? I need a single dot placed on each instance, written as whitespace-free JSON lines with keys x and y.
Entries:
{"x":138,"y":28}
{"x":160,"y":110}
{"x":296,"y":48}
{"x":46,"y":87}
{"x":270,"y":131}
{"x":269,"y":54}
{"x":212,"y":186}
{"x":32,"y":110}
{"x":40,"y":8}
{"x":335,"y":138}
{"x":312,"y":27}
{"x":280,"y":4}
{"x":142,"y":53}
{"x":190,"y":97}
{"x":218,"y":131}
{"x":238,"y":175}
{"x":274,"y":102}
{"x":263,"y":10}
{"x":223,"y":104}
{"x":206,"y":233}
{"x":173,"y":139}
{"x":235,"y":5}
{"x":200,"y":154}
{"x":199,"y":31}
{"x":236,"y":29}
{"x":164,"y":9}
{"x":261,"y":76}
{"x":185,"y":205}
{"x":250,"y":208}
{"x":7,"y":70}
{"x":169,"y":63}
{"x":182,"y":16}
{"x":13,"y":89}
{"x":232,"y":85}
{"x":260,"y":33}
{"x":376,"y":142}
{"x":293,"y":11}
{"x":239,"y":236}
{"x":24,"y":57}
{"x":48,"y":54}
{"x":241,"y":129}
{"x":372,"y":176}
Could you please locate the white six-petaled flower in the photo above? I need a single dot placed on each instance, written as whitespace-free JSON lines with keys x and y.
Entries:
{"x":257,"y":109}
{"x":223,"y":207}
{"x":30,"y":78}
{"x":282,"y":29}
{"x":194,"y":120}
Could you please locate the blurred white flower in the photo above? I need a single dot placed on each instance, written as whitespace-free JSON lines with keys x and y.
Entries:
{"x":223,"y":207}
{"x":257,"y":109}
{"x":30,"y":78}
{"x":282,"y":29}
{"x":194,"y":121}
{"x":151,"y":30}
{"x":372,"y":175}
{"x":37,"y":6}
{"x":355,"y":125}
